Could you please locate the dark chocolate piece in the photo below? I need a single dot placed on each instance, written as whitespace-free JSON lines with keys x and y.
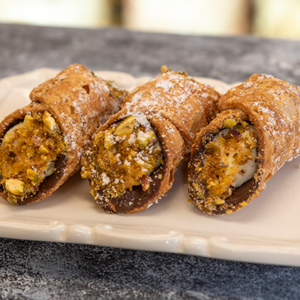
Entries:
{"x":137,"y":197}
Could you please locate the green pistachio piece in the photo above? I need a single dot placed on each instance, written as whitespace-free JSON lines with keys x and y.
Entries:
{"x":15,"y":186}
{"x":143,"y":140}
{"x":29,"y":122}
{"x":229,"y":123}
{"x":125,"y":127}
{"x":49,"y":121}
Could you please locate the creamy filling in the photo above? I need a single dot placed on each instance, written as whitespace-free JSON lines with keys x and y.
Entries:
{"x":228,"y":161}
{"x":239,"y":173}
{"x":10,"y":136}
{"x":28,"y":153}
{"x":123,"y":156}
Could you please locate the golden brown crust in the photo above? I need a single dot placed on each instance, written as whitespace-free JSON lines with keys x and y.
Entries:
{"x":273,"y":107}
{"x":77,"y":100}
{"x":177,"y":108}
{"x":173,"y":149}
{"x":186,"y":103}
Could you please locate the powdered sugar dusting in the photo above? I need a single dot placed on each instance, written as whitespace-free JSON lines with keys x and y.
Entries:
{"x":274,"y":106}
{"x":175,"y":97}
{"x":105,"y":178}
{"x":80,"y":108}
{"x":248,"y":84}
{"x":165,"y":84}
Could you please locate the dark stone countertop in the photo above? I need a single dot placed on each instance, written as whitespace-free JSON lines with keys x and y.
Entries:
{"x":41,"y":270}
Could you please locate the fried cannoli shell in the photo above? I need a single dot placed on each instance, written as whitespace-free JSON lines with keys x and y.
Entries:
{"x":173,"y":150}
{"x":186,"y":103}
{"x":177,"y":107}
{"x":273,"y":107}
{"x":78,"y":101}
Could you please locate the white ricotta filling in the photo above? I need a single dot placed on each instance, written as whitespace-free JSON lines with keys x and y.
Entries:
{"x":244,"y":172}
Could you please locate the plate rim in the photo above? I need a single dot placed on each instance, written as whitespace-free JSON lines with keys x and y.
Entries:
{"x":102,"y":234}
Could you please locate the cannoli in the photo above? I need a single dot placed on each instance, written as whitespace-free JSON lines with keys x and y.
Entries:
{"x":132,"y":158}
{"x":42,"y":143}
{"x":257,"y":131}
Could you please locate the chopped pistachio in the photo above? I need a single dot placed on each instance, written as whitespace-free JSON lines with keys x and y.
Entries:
{"x":145,"y":182}
{"x":125,"y":127}
{"x":50,"y":142}
{"x":9,"y":138}
{"x":49,"y":121}
{"x":33,"y":176}
{"x":211,"y":148}
{"x":30,"y":152}
{"x":221,"y":140}
{"x":44,"y":157}
{"x":29,"y":122}
{"x":15,"y":186}
{"x":245,"y":124}
{"x":200,"y":195}
{"x":140,"y":162}
{"x":84,"y":174}
{"x":98,"y":137}
{"x":222,"y":165}
{"x":164,"y":69}
{"x":126,"y":164}
{"x":12,"y":199}
{"x":43,"y":149}
{"x":229,"y":123}
{"x":108,"y":141}
{"x":229,"y":191}
{"x":143,"y":140}
{"x":219,"y":202}
{"x":93,"y":193}
{"x":30,"y":157}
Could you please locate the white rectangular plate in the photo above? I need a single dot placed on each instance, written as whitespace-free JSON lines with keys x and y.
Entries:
{"x":266,"y":231}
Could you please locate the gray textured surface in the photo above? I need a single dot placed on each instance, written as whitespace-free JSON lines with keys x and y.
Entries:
{"x":25,"y":48}
{"x":36,"y":270}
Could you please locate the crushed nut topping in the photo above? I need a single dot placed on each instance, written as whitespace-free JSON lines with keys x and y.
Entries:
{"x":28,"y":153}
{"x":227,"y":160}
{"x":123,"y":156}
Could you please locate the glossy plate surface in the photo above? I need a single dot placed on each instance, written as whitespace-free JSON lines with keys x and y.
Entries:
{"x":266,"y":231}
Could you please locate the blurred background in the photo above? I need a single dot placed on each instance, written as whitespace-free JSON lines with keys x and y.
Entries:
{"x":268,"y":18}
